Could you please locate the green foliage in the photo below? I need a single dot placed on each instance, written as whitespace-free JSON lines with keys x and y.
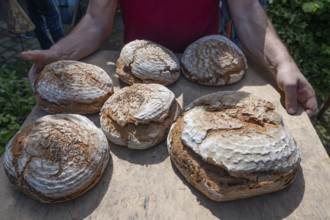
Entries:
{"x":304,"y":26}
{"x":16,"y":101}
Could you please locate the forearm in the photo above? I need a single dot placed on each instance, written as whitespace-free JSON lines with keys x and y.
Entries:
{"x":81,"y":42}
{"x":259,"y":39}
{"x":89,"y":34}
{"x":258,"y":36}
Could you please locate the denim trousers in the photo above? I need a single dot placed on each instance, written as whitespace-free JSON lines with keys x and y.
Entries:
{"x":46,"y":17}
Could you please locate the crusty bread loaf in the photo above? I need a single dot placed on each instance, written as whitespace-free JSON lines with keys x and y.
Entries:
{"x":57,"y":158}
{"x":213,"y":60}
{"x":72,"y":87}
{"x":143,"y":61}
{"x":139,"y":116}
{"x":233,"y":145}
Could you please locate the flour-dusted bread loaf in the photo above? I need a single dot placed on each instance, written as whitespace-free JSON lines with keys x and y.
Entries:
{"x":143,"y":61}
{"x":233,"y":145}
{"x":57,"y":158}
{"x":213,"y":60}
{"x":72,"y":87}
{"x":139,"y":116}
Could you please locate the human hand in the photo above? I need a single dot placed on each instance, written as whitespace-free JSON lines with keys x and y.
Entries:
{"x":296,"y":89}
{"x":40,"y":58}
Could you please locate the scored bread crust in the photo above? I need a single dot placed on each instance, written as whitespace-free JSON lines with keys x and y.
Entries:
{"x":143,"y":61}
{"x":139,"y":116}
{"x":213,"y":60}
{"x":57,"y":158}
{"x":228,"y":152}
{"x":69,"y":86}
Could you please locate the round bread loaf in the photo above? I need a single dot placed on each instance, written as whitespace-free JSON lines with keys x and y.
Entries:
{"x":142,"y":61}
{"x":139,"y":116}
{"x":68,"y":86}
{"x":213,"y":60}
{"x":57,"y":158}
{"x":233,"y":145}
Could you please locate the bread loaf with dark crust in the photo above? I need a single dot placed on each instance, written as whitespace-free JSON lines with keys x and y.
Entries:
{"x":233,"y":145}
{"x":139,"y":116}
{"x":213,"y":60}
{"x":69,"y":86}
{"x":143,"y":61}
{"x":57,"y":158}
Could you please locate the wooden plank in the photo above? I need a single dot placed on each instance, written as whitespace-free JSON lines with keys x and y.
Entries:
{"x":146,"y":185}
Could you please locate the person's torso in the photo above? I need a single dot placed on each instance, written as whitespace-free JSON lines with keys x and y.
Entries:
{"x":172,"y":23}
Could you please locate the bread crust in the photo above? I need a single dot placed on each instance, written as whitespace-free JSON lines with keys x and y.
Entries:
{"x":72,"y":87}
{"x":139,"y":116}
{"x":214,"y":61}
{"x":143,"y":61}
{"x":57,"y":158}
{"x":236,"y":165}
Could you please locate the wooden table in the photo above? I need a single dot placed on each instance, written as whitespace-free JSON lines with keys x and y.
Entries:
{"x":146,"y":185}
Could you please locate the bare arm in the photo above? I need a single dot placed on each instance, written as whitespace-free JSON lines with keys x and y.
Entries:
{"x":90,"y":33}
{"x":259,"y":38}
{"x":83,"y":40}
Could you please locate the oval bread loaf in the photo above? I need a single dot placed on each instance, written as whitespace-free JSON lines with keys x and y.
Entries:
{"x":68,"y":86}
{"x":143,"y":61}
{"x":57,"y":158}
{"x":139,"y":116}
{"x":233,"y":145}
{"x":213,"y":60}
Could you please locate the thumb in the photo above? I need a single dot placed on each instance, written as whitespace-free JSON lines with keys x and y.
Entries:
{"x":290,"y":92}
{"x":40,"y":57}
{"x":33,"y":55}
{"x":37,"y":56}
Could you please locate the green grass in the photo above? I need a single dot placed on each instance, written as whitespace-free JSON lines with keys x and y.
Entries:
{"x":16,"y":100}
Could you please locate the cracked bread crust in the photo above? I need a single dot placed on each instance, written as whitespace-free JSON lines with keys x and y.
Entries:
{"x":225,"y":169}
{"x":213,"y":60}
{"x":57,"y":158}
{"x":143,"y":61}
{"x":139,"y":116}
{"x":72,"y":87}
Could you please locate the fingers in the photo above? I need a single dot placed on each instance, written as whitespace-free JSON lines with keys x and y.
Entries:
{"x":306,"y":96}
{"x":32,"y":76}
{"x":290,"y":91}
{"x":299,"y":91}
{"x":296,"y":89}
{"x":37,"y":56}
{"x":40,"y":59}
{"x":33,"y":55}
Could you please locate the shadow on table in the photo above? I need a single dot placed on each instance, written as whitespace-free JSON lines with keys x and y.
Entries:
{"x":273,"y":206}
{"x":153,"y":155}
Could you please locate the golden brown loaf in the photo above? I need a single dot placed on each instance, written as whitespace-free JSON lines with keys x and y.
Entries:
{"x":72,"y":87}
{"x":233,"y":145}
{"x":139,"y":116}
{"x":213,"y":60}
{"x":143,"y":61}
{"x":57,"y":158}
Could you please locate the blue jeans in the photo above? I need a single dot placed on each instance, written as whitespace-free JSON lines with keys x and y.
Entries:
{"x":46,"y":17}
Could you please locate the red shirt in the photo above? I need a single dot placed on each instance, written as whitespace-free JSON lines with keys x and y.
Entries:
{"x":172,"y":23}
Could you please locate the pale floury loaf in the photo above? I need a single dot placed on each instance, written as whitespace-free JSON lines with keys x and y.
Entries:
{"x":233,"y":145}
{"x":139,"y":116}
{"x":72,"y":87}
{"x":57,"y":158}
{"x":143,"y":61}
{"x":213,"y":60}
